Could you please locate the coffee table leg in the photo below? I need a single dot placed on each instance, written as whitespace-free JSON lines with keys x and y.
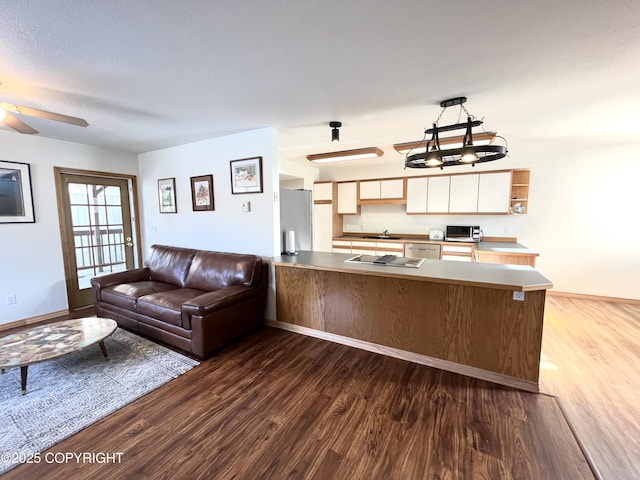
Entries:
{"x":23,"y":378}
{"x":104,"y":350}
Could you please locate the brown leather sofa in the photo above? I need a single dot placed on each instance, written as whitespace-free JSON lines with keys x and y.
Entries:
{"x":195,"y":300}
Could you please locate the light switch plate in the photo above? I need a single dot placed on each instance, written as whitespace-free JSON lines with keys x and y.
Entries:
{"x":246,"y":206}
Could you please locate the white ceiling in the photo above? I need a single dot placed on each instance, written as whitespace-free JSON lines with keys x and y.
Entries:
{"x":148,"y":74}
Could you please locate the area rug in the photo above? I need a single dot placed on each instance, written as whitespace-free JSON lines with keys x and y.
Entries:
{"x":68,"y":394}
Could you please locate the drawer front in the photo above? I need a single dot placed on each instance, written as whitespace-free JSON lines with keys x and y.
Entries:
{"x":457,"y":258}
{"x":363,"y":243}
{"x":457,"y":249}
{"x":390,"y":245}
{"x":341,"y":243}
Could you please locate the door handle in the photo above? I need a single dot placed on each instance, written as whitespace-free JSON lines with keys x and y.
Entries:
{"x":129,"y":244}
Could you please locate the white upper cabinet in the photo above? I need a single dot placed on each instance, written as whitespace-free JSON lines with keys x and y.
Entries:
{"x":438,"y":194}
{"x":417,"y":194}
{"x":369,"y":189}
{"x":393,"y":188}
{"x":463,"y":193}
{"x":493,"y":192}
{"x":323,"y":191}
{"x":347,"y":198}
{"x":381,"y":189}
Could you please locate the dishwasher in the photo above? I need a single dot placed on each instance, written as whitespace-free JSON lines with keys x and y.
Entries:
{"x":422,"y":250}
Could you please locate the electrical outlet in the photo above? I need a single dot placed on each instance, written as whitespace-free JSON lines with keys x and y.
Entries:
{"x":518,"y":296}
{"x":246,"y":206}
{"x":11,"y":299}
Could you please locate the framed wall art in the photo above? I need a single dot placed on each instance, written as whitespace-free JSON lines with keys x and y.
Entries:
{"x":167,"y":195}
{"x":246,"y":175}
{"x":16,"y":196}
{"x":202,"y":193}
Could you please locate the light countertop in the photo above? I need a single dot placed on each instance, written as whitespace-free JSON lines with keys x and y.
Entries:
{"x":493,"y":247}
{"x":488,"y":275}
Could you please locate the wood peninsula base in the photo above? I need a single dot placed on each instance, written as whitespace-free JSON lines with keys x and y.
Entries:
{"x":469,"y":328}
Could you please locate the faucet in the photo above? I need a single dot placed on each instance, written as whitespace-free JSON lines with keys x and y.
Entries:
{"x":385,"y":233}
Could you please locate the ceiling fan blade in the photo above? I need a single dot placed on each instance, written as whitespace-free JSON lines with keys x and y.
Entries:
{"x":58,"y":117}
{"x":35,"y":112}
{"x":18,"y":125}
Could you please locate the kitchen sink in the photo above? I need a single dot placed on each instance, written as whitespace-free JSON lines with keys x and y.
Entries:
{"x":382,"y":237}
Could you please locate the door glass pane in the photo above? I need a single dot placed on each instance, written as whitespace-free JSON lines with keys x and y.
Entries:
{"x":114,"y":214}
{"x":80,"y":215}
{"x":112,"y":195}
{"x":96,"y":194}
{"x":97,"y":230}
{"x":77,"y":193}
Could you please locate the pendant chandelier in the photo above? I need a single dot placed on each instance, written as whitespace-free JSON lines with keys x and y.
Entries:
{"x":468,"y":154}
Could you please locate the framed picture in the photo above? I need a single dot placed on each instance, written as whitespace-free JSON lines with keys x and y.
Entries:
{"x":16,"y":196}
{"x":167,"y":195}
{"x":202,"y":193}
{"x":246,"y":175}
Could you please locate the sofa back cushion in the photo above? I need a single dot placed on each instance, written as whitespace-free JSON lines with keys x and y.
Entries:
{"x":216,"y":270}
{"x":169,"y":264}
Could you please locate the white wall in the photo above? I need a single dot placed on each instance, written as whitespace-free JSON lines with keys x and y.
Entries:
{"x":227,"y":228}
{"x":32,"y":266}
{"x":583,"y":213}
{"x":298,"y":176}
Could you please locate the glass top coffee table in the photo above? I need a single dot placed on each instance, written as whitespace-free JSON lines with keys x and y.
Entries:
{"x":53,"y":340}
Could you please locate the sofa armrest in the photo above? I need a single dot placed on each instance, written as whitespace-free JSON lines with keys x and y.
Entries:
{"x":210,"y":302}
{"x":128,"y":276}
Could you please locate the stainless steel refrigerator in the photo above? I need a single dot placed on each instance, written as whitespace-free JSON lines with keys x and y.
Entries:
{"x":296,"y":215}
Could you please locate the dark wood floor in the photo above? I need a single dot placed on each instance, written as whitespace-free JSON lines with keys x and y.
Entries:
{"x":281,"y":405}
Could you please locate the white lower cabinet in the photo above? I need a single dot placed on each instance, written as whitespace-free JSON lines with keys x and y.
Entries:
{"x":458,"y":253}
{"x":341,"y":246}
{"x":359,"y":247}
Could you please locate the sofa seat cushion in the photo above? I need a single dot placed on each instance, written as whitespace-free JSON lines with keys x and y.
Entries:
{"x":125,"y":295}
{"x":166,"y":306}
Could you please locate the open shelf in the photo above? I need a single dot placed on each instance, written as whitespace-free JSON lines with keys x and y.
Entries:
{"x":519,"y":199}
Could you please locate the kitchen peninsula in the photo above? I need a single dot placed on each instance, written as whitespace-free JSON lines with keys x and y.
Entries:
{"x":478,"y":319}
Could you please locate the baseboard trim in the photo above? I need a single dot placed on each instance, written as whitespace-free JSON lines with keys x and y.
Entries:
{"x":29,"y":321}
{"x":599,"y":298}
{"x":446,"y":365}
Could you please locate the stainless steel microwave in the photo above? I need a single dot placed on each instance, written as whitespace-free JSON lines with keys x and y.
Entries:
{"x":462,"y":233}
